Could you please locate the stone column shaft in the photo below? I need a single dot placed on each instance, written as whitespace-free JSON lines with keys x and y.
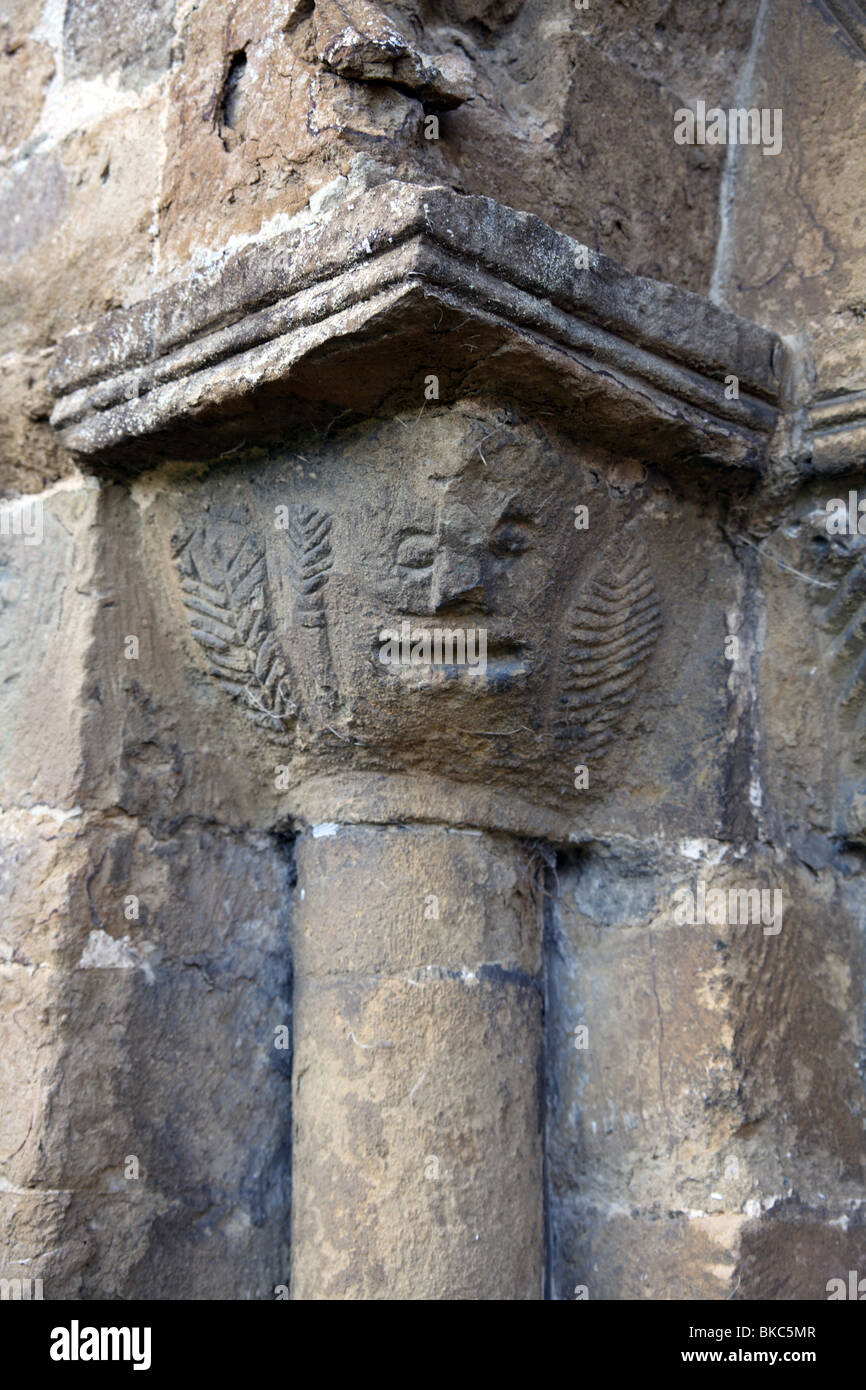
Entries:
{"x":418,"y":1039}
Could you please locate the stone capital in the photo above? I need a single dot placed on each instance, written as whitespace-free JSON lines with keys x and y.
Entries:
{"x":419,"y":555}
{"x":352,"y":309}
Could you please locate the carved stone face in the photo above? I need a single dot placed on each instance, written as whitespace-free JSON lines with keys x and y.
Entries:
{"x":430,"y":605}
{"x":460,"y":533}
{"x":465,"y":536}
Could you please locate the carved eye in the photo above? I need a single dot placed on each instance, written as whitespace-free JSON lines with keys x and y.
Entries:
{"x":416,"y":552}
{"x":512,"y":538}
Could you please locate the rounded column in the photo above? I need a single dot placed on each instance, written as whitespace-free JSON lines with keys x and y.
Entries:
{"x":417,"y":1162}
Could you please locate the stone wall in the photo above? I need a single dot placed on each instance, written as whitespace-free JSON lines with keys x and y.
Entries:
{"x":237,"y":245}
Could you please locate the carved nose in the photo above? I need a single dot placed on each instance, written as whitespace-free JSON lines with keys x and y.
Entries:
{"x":455,"y":577}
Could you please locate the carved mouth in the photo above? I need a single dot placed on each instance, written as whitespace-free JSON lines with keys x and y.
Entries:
{"x":493,"y":663}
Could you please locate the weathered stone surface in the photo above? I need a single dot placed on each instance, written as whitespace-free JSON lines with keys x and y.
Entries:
{"x":133,"y":37}
{"x":26,"y":68}
{"x":795,"y":245}
{"x":488,"y":517}
{"x":691,"y":1104}
{"x":81,"y":210}
{"x":33,"y":457}
{"x":557,"y":116}
{"x":46,"y":633}
{"x":563,"y":100}
{"x":524,"y":252}
{"x":615,"y":1255}
{"x":368,"y":302}
{"x":811,"y":615}
{"x":798,"y":1254}
{"x":256,"y":118}
{"x":624,"y":349}
{"x":356,"y":39}
{"x":149,"y":1094}
{"x":248,"y":112}
{"x":689,"y":50}
{"x":145,"y":1141}
{"x":418,"y":1037}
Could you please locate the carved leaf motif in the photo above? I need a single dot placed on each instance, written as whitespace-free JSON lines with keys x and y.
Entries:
{"x":611,"y":630}
{"x":225,"y":595}
{"x":310,"y":538}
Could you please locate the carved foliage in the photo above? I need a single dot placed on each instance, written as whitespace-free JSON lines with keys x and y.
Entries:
{"x":310,"y":538}
{"x":610,"y":632}
{"x":225,"y":594}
